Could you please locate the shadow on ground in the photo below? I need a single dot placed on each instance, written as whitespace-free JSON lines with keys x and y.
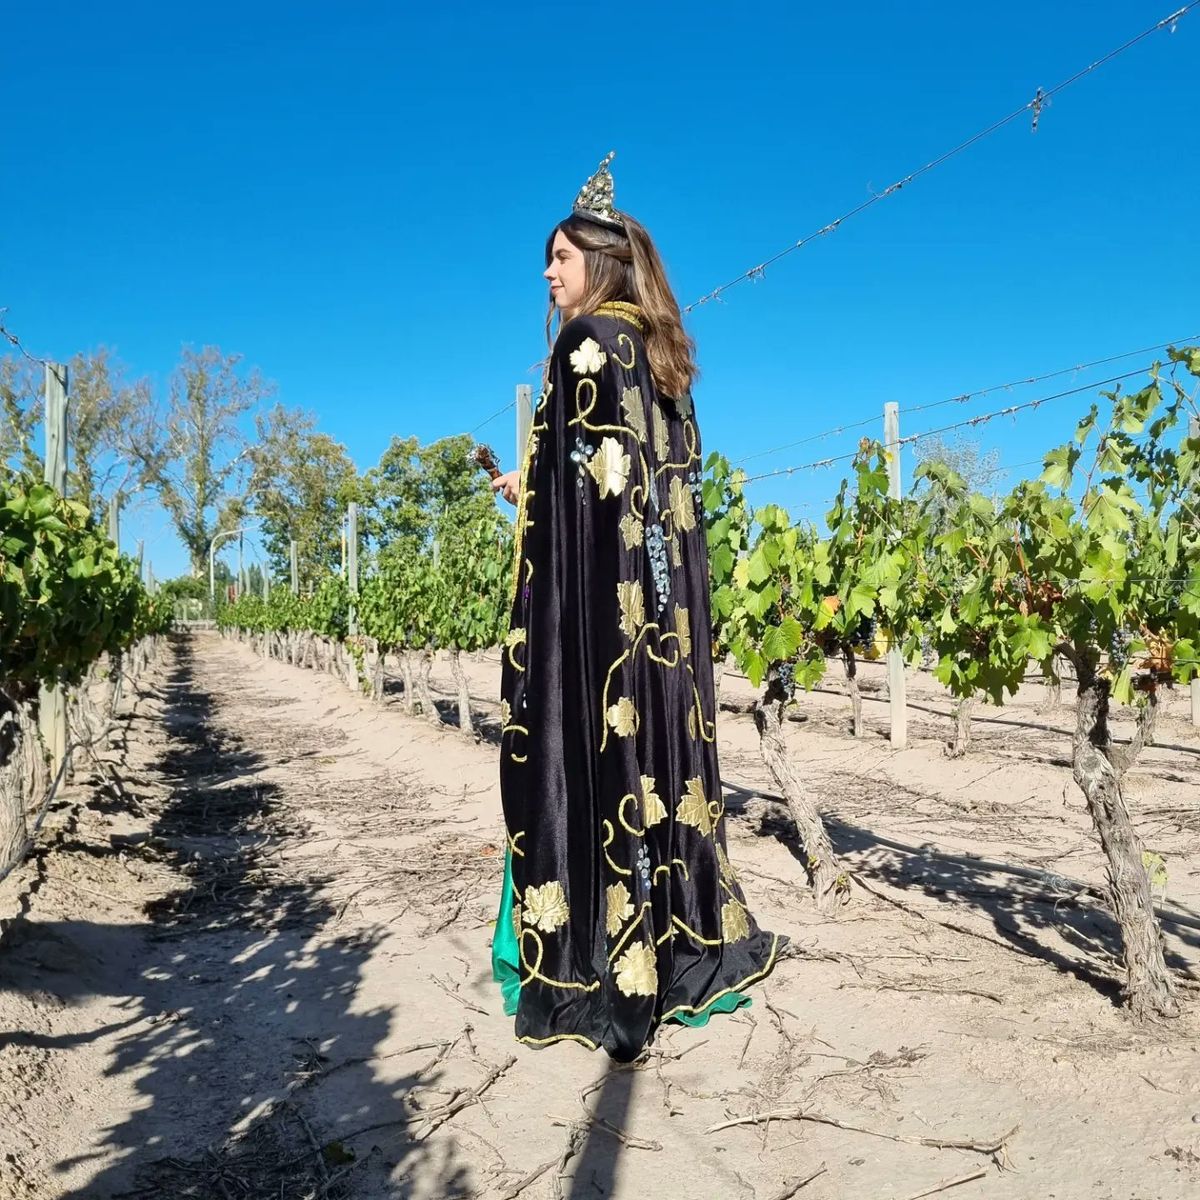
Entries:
{"x":1034,"y":912}
{"x":240,"y":996}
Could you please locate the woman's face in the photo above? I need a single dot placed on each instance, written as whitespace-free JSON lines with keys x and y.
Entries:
{"x":566,"y":274}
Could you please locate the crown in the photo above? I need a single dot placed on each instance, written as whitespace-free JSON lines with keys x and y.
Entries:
{"x":595,"y":199}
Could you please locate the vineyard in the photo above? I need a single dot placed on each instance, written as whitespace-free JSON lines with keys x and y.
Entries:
{"x":985,"y":590}
{"x":73,"y":613}
{"x":1001,"y":913}
{"x":252,"y":845}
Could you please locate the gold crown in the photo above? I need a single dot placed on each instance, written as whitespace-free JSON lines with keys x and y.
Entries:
{"x":595,"y":199}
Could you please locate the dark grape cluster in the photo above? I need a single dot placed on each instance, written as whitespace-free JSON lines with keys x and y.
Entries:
{"x":785,"y":675}
{"x":868,"y":630}
{"x":1118,"y":647}
{"x":927,"y":654}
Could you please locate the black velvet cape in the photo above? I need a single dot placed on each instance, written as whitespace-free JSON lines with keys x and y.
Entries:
{"x":626,"y":909}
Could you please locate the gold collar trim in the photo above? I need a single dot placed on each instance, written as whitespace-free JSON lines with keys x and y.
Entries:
{"x":624,"y":311}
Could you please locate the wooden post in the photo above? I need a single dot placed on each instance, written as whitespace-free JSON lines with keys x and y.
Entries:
{"x":897,"y":699}
{"x":52,"y":701}
{"x":1194,"y":432}
{"x":524,"y":420}
{"x":114,"y":520}
{"x":352,"y":561}
{"x":295,"y":560}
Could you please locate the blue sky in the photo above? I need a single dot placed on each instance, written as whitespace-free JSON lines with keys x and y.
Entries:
{"x":355,"y":197}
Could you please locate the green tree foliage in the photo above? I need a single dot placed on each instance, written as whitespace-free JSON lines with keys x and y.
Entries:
{"x":416,"y":490}
{"x":301,"y":483}
{"x":195,"y":453}
{"x":107,"y":415}
{"x":1098,"y":561}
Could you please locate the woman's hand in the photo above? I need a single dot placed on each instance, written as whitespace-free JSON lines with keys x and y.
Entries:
{"x":507,"y":485}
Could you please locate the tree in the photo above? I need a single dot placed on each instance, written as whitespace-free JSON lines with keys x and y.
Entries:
{"x":1111,"y":581}
{"x":301,"y":482}
{"x":416,"y":488}
{"x":20,"y":409}
{"x":106,"y":418}
{"x":964,"y":456}
{"x":195,"y":454}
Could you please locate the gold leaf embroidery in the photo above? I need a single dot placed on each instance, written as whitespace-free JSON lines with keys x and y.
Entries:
{"x":637,"y":972}
{"x":662,"y":441}
{"x":623,"y":717}
{"x":589,"y":358}
{"x":635,"y":416}
{"x":676,"y":553}
{"x":684,"y":405}
{"x":683,"y":627}
{"x":516,"y":921}
{"x":735,"y":925}
{"x":515,"y":637}
{"x":682,"y":505}
{"x":633,"y":608}
{"x":693,"y":807}
{"x":546,"y":906}
{"x":725,"y":866}
{"x":505,"y":713}
{"x":653,"y":809}
{"x":610,"y":467}
{"x":632,"y":531}
{"x":619,"y":908}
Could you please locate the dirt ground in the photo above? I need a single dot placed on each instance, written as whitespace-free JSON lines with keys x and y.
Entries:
{"x":255,"y":964}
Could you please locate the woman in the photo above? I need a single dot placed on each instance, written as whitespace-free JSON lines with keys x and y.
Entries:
{"x":620,"y":908}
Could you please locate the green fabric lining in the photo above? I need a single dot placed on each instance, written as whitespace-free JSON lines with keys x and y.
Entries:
{"x":505,"y":954}
{"x":506,"y":964}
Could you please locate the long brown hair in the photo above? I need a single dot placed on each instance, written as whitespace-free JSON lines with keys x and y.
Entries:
{"x":625,"y":265}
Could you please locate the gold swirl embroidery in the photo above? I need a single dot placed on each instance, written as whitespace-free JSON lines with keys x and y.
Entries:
{"x":633,"y":924}
{"x":512,"y":754}
{"x":515,"y":638}
{"x":610,"y":834}
{"x":581,"y":411}
{"x":513,"y":839}
{"x":535,"y":969}
{"x":665,"y":662}
{"x":708,"y":729}
{"x":621,"y":816}
{"x":666,"y":869}
{"x":694,"y":935}
{"x":623,"y":339}
{"x":691,"y":445}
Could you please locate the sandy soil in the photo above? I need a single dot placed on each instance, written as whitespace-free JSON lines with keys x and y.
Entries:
{"x":258,"y":967}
